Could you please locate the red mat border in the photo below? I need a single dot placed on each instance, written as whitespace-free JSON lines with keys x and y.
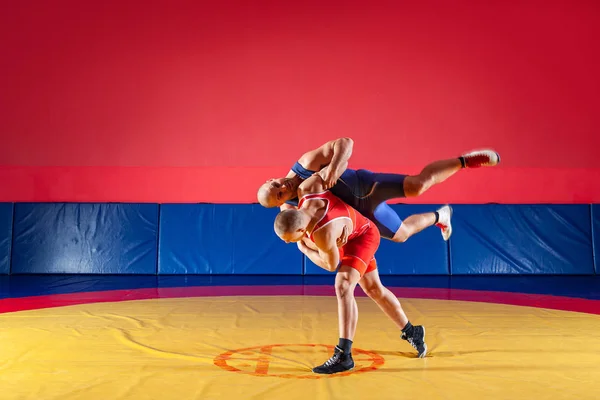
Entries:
{"x":508,"y":298}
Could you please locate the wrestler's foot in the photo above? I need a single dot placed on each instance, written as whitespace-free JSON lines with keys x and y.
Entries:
{"x":444,"y":221}
{"x":339,"y":362}
{"x":480,"y":158}
{"x":416,"y":338}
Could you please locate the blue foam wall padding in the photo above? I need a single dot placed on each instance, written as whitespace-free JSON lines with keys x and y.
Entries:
{"x":6,"y":215}
{"x":425,"y":253}
{"x":521,"y":239}
{"x":596,"y":235}
{"x":85,"y":238}
{"x":223,"y":239}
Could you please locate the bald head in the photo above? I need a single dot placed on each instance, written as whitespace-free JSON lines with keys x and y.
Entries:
{"x":264,"y":196}
{"x":275,"y":192}
{"x":290,"y":225}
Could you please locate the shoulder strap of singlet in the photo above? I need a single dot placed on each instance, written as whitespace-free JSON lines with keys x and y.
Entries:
{"x":316,"y":196}
{"x":319,"y":196}
{"x":301,"y":171}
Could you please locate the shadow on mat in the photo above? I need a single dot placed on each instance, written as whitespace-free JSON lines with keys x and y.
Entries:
{"x":432,"y":353}
{"x":477,"y":368}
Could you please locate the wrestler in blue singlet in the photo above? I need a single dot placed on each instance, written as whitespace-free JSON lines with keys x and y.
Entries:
{"x":367,"y":192}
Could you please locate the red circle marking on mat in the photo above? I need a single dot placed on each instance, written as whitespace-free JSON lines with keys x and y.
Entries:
{"x":260,"y":358}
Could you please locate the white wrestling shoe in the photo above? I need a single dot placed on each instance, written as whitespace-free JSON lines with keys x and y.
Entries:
{"x":481,"y":158}
{"x":444,"y":221}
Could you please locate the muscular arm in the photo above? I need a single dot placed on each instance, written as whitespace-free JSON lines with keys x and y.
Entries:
{"x":342,"y":150}
{"x":313,"y":255}
{"x":325,"y":240}
{"x":314,"y":184}
{"x":334,"y":155}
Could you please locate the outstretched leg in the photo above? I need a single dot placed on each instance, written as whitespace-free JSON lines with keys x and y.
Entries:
{"x":442,"y":218}
{"x":438,"y":171}
{"x":390,"y":305}
{"x":393,"y":228}
{"x":381,"y":187}
{"x":389,"y":186}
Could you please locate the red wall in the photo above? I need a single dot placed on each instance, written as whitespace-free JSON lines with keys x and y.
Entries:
{"x":203,"y":101}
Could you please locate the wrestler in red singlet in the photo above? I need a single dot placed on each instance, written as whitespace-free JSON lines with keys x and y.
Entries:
{"x":363,"y":241}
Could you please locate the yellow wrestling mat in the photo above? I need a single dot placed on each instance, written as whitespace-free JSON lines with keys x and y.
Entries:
{"x":232,"y":348}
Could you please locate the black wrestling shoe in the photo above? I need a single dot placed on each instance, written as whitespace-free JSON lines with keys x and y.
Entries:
{"x":339,"y":362}
{"x":417,"y":340}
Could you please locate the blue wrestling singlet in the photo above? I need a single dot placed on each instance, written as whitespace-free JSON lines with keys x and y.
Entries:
{"x":367,"y":192}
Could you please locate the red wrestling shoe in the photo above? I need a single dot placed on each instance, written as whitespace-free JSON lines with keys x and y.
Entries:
{"x":481,"y":158}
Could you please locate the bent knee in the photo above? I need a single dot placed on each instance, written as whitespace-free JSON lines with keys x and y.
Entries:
{"x":401,"y":235}
{"x":415,"y":185}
